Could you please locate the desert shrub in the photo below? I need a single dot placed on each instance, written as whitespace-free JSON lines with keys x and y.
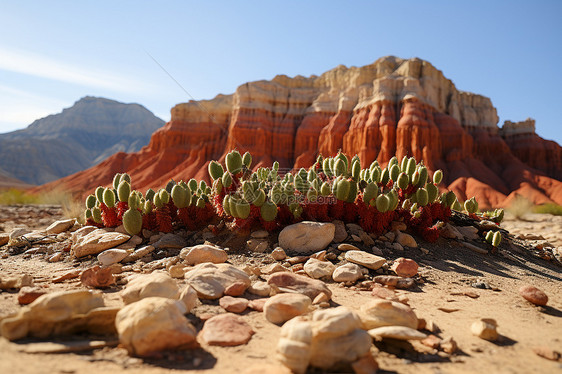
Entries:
{"x":550,"y":208}
{"x":519,"y":207}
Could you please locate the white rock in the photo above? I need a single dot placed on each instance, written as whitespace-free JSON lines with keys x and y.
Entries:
{"x":189,"y":297}
{"x":347,"y":247}
{"x":450,"y":232}
{"x":307,"y":236}
{"x":347,"y":273}
{"x":405,"y":240}
{"x":278,"y":254}
{"x":485,"y":329}
{"x":282,"y":307}
{"x":59,"y":226}
{"x":319,"y":269}
{"x":260,"y":234}
{"x":365,"y":259}
{"x":97,"y":241}
{"x":210,"y":280}
{"x":257,"y":245}
{"x":139,"y":253}
{"x":397,"y":332}
{"x":154,"y":324}
{"x":18,"y":232}
{"x":156,"y":284}
{"x":112,"y":256}
{"x":260,"y":288}
{"x":380,"y":312}
{"x":203,"y":253}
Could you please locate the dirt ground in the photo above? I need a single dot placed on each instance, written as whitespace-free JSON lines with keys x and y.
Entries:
{"x":447,"y":272}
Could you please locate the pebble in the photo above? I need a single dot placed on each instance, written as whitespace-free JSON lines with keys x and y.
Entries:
{"x":365,"y":259}
{"x":139,"y":253}
{"x":379,"y":313}
{"x":257,"y":304}
{"x":355,"y":238}
{"x":155,"y":284}
{"x":203,"y":253}
{"x":56,"y":257}
{"x":469,"y":232}
{"x":4,"y":239}
{"x":260,"y":234}
{"x":97,"y":277}
{"x":366,"y":239}
{"x":233,"y":304}
{"x":211,"y":280}
{"x":404,"y":267}
{"x":406,"y":240}
{"x":226,"y":330}
{"x":347,"y":273}
{"x":257,"y":245}
{"x":290,"y":282}
{"x":377,"y":251}
{"x":273,"y":268}
{"x":97,"y":241}
{"x":394,"y":281}
{"x":548,"y":353}
{"x":236,"y":288}
{"x":307,"y":236}
{"x":384,"y":293}
{"x":449,"y":345}
{"x":177,"y":271}
{"x":260,"y":288}
{"x":170,"y":240}
{"x":278,"y":254}
{"x":319,"y":269}
{"x":533,"y":295}
{"x":449,"y":231}
{"x":340,"y":233}
{"x":397,"y":225}
{"x":66,"y":276}
{"x":431,"y":341}
{"x":397,"y":332}
{"x":28,"y":294}
{"x":112,"y":256}
{"x":59,"y":226}
{"x":282,"y":307}
{"x":347,"y":247}
{"x":485,"y":329}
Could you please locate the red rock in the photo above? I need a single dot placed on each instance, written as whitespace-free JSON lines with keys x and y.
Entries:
{"x":432,"y":341}
{"x":391,"y":107}
{"x":404,"y":267}
{"x":69,"y":275}
{"x":258,"y":304}
{"x":285,"y":281}
{"x":226,"y":330}
{"x":533,"y":295}
{"x":384,"y":293}
{"x":235,"y":289}
{"x":97,"y":277}
{"x":27,"y":295}
{"x":233,"y":304}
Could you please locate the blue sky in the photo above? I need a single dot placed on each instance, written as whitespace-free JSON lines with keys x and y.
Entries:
{"x":52,"y":53}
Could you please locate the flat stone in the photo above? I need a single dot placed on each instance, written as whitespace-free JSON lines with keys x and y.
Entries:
{"x":485,"y":329}
{"x":273,"y":268}
{"x":233,"y":304}
{"x":319,"y":269}
{"x":365,"y":259}
{"x":170,"y":240}
{"x":397,"y":332}
{"x":28,"y":294}
{"x":18,"y":232}
{"x":307,"y":236}
{"x":449,"y":231}
{"x":154,"y":324}
{"x":278,"y":254}
{"x":282,"y":307}
{"x":379,"y":313}
{"x":340,"y":233}
{"x":226,"y":330}
{"x":260,"y":288}
{"x":257,"y":304}
{"x":4,"y":239}
{"x":260,"y":234}
{"x":60,"y":226}
{"x":294,"y":283}
{"x":139,"y":253}
{"x":366,"y":239}
{"x":257,"y":245}
{"x":211,"y":280}
{"x":203,"y":253}
{"x":533,"y":295}
{"x":404,"y":267}
{"x":548,"y":353}
{"x":16,"y":282}
{"x":469,"y":232}
{"x":405,"y":240}
{"x":347,"y":273}
{"x":384,"y":293}
{"x":97,"y":241}
{"x":398,"y":226}
{"x":431,"y":341}
{"x":97,"y":277}
{"x":347,"y":247}
{"x":68,"y":275}
{"x":236,"y":289}
{"x":112,"y":256}
{"x":56,"y":257}
{"x":155,"y":284}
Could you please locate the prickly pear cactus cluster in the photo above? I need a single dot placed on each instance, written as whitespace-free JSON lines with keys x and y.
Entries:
{"x":334,"y":188}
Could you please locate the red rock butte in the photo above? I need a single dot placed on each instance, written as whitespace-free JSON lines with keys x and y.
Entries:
{"x":392,"y":107}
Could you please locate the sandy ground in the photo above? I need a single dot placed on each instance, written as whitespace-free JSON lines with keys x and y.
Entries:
{"x":447,"y":271}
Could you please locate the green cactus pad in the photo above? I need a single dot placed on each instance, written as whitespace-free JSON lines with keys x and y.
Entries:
{"x":394,"y":172}
{"x":123,"y":191}
{"x":268,"y":211}
{"x":496,"y":239}
{"x":233,"y":162}
{"x":215,"y":170}
{"x":403,"y":181}
{"x":438,"y":177}
{"x":109,"y":198}
{"x":90,"y":201}
{"x":382,"y":203}
{"x":132,"y":221}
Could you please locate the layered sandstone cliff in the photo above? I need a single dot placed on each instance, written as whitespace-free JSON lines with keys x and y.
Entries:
{"x":391,"y":107}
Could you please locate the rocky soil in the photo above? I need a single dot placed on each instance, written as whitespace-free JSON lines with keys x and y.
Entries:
{"x":462,"y":308}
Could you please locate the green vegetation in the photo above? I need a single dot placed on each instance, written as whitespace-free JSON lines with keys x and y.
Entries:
{"x":71,"y":207}
{"x":550,"y":208}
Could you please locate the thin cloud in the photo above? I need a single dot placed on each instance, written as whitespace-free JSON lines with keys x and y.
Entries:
{"x":28,"y":63}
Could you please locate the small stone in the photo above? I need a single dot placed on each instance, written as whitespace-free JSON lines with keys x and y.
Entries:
{"x":203,"y":253}
{"x":307,"y":236}
{"x":355,"y":238}
{"x":97,"y":241}
{"x":297,"y":259}
{"x":347,"y":247}
{"x":257,"y":245}
{"x":170,"y":240}
{"x":260,"y":234}
{"x":68,"y":275}
{"x":27,"y":294}
{"x":211,"y":280}
{"x":56,"y":257}
{"x":189,"y":298}
{"x":397,"y":247}
{"x":365,"y":365}
{"x":97,"y":277}
{"x":533,"y":295}
{"x":377,"y":251}
{"x":450,"y":232}
{"x":139,"y":253}
{"x":406,"y":240}
{"x":233,"y":304}
{"x":485,"y":329}
{"x":469,"y":232}
{"x":257,"y":304}
{"x":226,"y":330}
{"x":282,"y":307}
{"x":396,"y":332}
{"x":177,"y":271}
{"x":390,"y":236}
{"x":379,"y":313}
{"x":260,"y":288}
{"x":155,"y":284}
{"x":278,"y":254}
{"x":18,"y":232}
{"x":319,"y":269}
{"x":384,"y":293}
{"x":112,"y":256}
{"x":366,"y":239}
{"x":404,"y":267}
{"x":321,"y":256}
{"x":273,"y":268}
{"x":449,"y":345}
{"x":289,"y":282}
{"x":365,"y":259}
{"x":431,"y":341}
{"x":59,"y":226}
{"x":548,"y":353}
{"x":394,"y":281}
{"x":347,"y":273}
{"x":236,"y":289}
{"x":154,"y":324}
{"x":340,"y":233}
{"x":398,"y":226}
{"x":4,"y":239}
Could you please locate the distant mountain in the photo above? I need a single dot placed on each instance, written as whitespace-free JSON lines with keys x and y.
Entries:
{"x":7,"y":182}
{"x":81,"y":136}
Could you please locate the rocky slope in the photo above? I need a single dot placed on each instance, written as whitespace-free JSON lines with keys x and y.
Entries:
{"x":393,"y":106}
{"x":76,"y":139}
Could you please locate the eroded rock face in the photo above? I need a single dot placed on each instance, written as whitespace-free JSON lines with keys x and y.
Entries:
{"x":392,"y":107}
